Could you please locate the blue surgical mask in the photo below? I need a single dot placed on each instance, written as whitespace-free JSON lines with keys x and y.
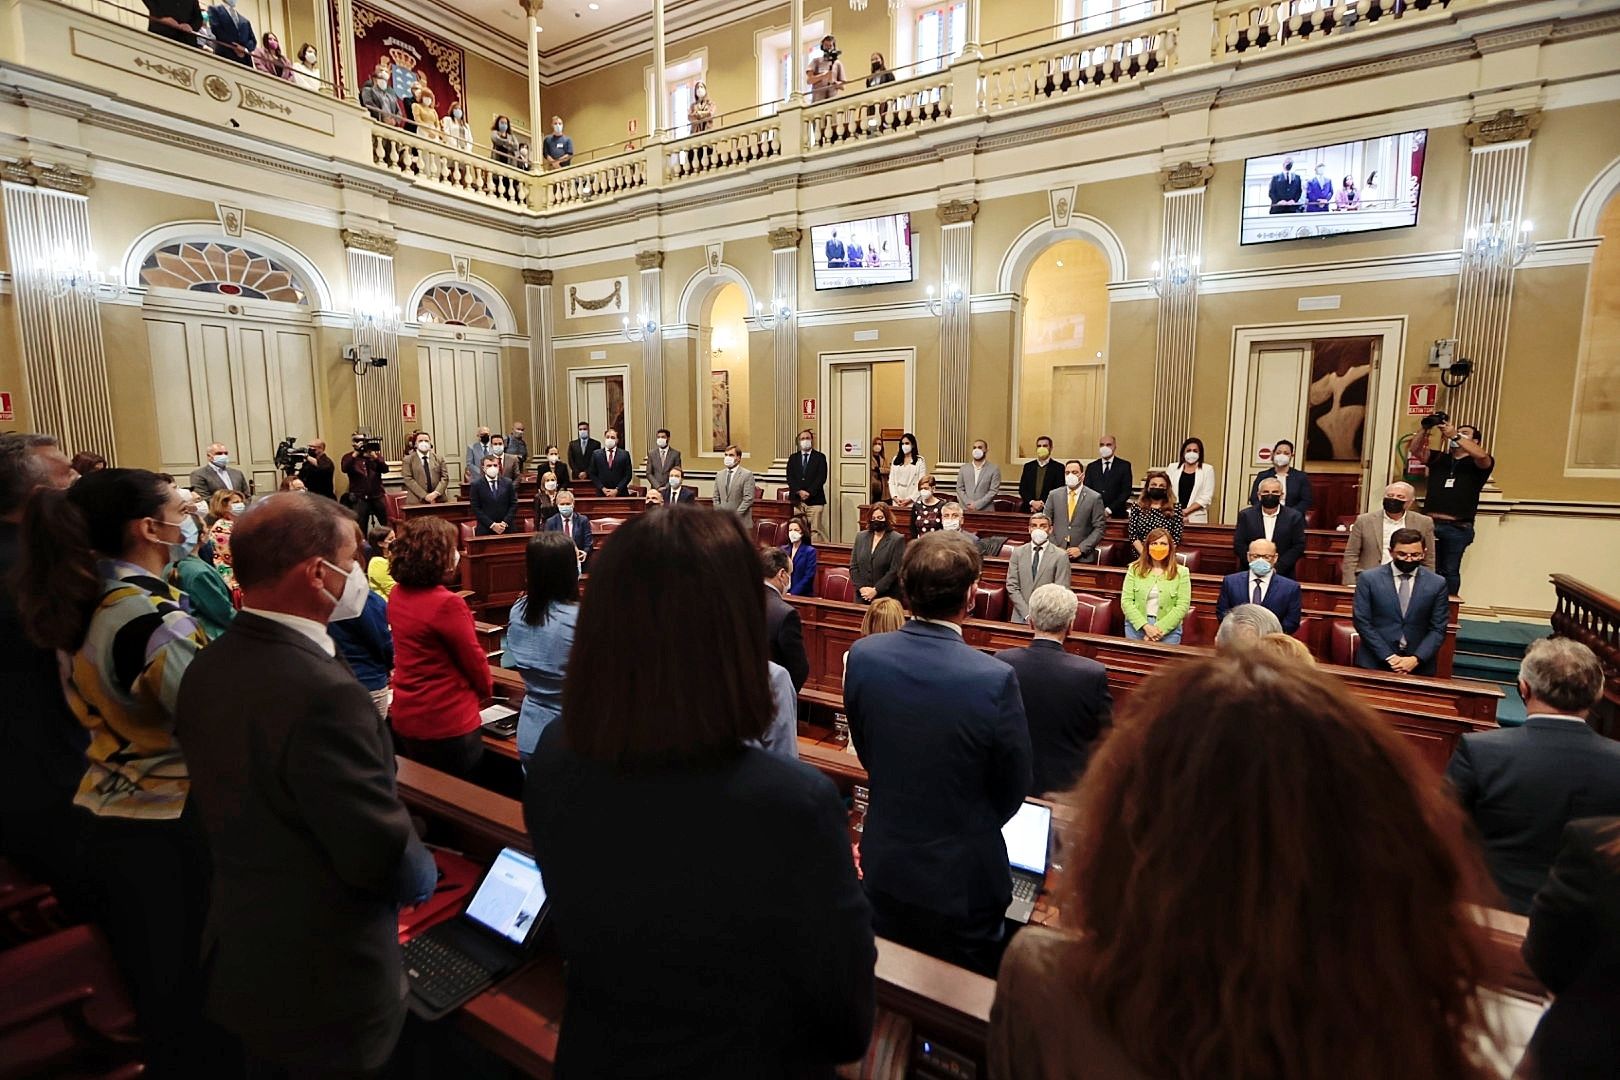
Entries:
{"x":237,"y":508}
{"x":1260,"y":567}
{"x":566,"y":510}
{"x":188,"y":531}
{"x":222,"y":460}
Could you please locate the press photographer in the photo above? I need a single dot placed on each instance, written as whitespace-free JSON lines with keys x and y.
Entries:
{"x":1458,"y":468}
{"x":364,"y":466}
{"x":307,"y":464}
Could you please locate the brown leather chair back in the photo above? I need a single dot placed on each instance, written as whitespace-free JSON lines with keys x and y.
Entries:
{"x":1095,"y":615}
{"x":990,"y":602}
{"x":832,"y":583}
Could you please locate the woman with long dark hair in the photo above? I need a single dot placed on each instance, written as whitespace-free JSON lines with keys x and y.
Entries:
{"x":653,"y":761}
{"x":1262,"y":881}
{"x":91,"y":585}
{"x":1195,"y":481}
{"x":907,"y":471}
{"x":540,"y":633}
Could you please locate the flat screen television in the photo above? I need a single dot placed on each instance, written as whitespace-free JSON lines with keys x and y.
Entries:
{"x":871,"y":251}
{"x":1349,"y":187}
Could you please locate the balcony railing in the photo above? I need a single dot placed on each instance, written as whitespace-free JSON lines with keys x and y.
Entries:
{"x":436,"y":164}
{"x":1246,"y":25}
{"x":1121,"y":54}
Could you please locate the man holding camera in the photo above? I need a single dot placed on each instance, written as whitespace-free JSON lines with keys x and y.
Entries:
{"x":317,"y":470}
{"x":826,"y":72}
{"x":364,"y":466}
{"x":1458,"y":470}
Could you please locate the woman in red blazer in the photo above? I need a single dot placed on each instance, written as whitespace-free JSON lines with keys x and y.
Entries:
{"x":441,"y":676}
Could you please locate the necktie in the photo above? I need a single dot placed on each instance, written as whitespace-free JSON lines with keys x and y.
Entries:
{"x":1073,"y":498}
{"x":1258,"y":596}
{"x":1403,"y":590}
{"x":805,"y":461}
{"x":1034,"y":563}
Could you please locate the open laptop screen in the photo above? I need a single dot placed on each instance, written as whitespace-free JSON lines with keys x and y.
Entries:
{"x":510,"y":898}
{"x":1027,"y":836}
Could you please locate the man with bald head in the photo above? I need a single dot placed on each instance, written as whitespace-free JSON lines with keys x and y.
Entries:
{"x":216,"y":474}
{"x":1271,"y":520}
{"x":1367,"y":546}
{"x":1259,"y":583}
{"x":313,"y":851}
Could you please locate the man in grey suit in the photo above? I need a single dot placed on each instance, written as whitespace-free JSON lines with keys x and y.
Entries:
{"x":662,"y":459}
{"x":734,"y":489}
{"x":978,"y":481}
{"x":426,"y":478}
{"x":217,"y":475}
{"x":1078,"y":515}
{"x":1401,"y":611}
{"x":1039,"y":562}
{"x":1367,"y":546}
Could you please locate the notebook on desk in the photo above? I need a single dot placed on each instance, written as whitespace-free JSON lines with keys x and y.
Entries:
{"x":1029,"y":839}
{"x":500,"y":721}
{"x":454,"y":961}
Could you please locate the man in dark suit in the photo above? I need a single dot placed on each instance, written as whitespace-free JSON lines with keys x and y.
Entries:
{"x":1041,"y":474}
{"x":1110,"y":477}
{"x":940,"y":728}
{"x":581,"y":451}
{"x":807,"y":483}
{"x":1401,"y":610}
{"x":610,"y":467}
{"x":1522,"y":785}
{"x":1296,"y":491}
{"x":577,"y":526}
{"x":782,"y":623}
{"x":313,"y":852}
{"x":1066,"y":698}
{"x":1286,"y":190}
{"x":233,"y":33}
{"x":494,"y":500}
{"x":1258,"y":583}
{"x":1271,"y":520}
{"x":217,"y":474}
{"x":676,"y":492}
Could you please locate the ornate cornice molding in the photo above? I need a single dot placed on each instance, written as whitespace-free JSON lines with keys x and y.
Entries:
{"x":375,"y":243}
{"x":49,"y":174}
{"x":1505,"y":126}
{"x":649,"y":260}
{"x":1185,"y":176}
{"x":782,"y":239}
{"x":537,"y":277}
{"x":958,"y":212}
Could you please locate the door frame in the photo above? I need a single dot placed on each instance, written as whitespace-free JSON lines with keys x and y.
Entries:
{"x":826,"y":361}
{"x":1383,"y":398}
{"x":575,"y":375}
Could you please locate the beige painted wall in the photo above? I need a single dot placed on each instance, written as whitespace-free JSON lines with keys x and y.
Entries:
{"x":1595,"y":430}
{"x":729,"y":352}
{"x":1065,"y":324}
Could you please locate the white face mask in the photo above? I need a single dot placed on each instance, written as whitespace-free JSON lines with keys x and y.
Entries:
{"x":551,"y":485}
{"x":424,"y":447}
{"x":1105,"y":452}
{"x":352,"y":601}
{"x":953,"y":524}
{"x":1037,"y":537}
{"x":492,"y":471}
{"x":794,"y":536}
{"x":805,"y":444}
{"x":663,"y":443}
{"x":731,"y":461}
{"x":552,"y":458}
{"x":237,"y":508}
{"x":925,"y":494}
{"x":675,"y":482}
{"x":978,"y":454}
{"x":1282,"y":460}
{"x":905,"y":447}
{"x":497,"y":449}
{"x":1071,"y":480}
{"x":611,"y":443}
{"x":1190,"y":457}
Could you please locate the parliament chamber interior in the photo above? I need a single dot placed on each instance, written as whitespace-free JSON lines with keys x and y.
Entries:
{"x":911,"y":538}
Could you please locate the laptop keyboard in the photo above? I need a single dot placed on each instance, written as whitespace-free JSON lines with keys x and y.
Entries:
{"x":440,"y":975}
{"x":1025,"y":889}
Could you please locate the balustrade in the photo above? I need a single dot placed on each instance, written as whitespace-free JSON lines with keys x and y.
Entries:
{"x":1246,"y":25}
{"x":1122,"y":54}
{"x":882,"y":110}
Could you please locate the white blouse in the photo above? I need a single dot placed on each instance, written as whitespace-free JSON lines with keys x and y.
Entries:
{"x":903,"y":479}
{"x":307,"y":77}
{"x":1203,"y":490}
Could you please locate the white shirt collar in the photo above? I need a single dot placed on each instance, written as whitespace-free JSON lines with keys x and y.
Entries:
{"x":311,"y":629}
{"x":1555,"y":716}
{"x":957,"y":627}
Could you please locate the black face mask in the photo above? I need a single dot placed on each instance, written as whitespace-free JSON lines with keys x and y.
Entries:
{"x":877,"y":66}
{"x":1394,"y":506}
{"x":1407,"y":566}
{"x":879,"y":525}
{"x":1269,"y":501}
{"x":1157,"y":494}
{"x":483,"y":438}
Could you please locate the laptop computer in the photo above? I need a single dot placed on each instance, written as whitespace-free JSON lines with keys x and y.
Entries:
{"x":456,"y":960}
{"x":1029,"y":838}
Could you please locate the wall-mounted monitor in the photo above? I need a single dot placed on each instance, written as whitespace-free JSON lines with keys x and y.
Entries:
{"x":1307,"y":192}
{"x":871,"y":251}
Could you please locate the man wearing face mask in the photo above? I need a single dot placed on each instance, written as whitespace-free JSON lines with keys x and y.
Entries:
{"x":734,"y":489}
{"x":1401,"y":611}
{"x":494,"y":500}
{"x":313,"y":850}
{"x":1458,"y":469}
{"x":1296,"y":491}
{"x":218,"y":474}
{"x":1110,"y":476}
{"x":477,"y":451}
{"x":1259,"y":584}
{"x":577,"y":526}
{"x":1367,"y":545}
{"x":1040,"y":475}
{"x":1039,"y":562}
{"x":511,"y":465}
{"x":807,"y":483}
{"x":662,"y":460}
{"x":517,"y":445}
{"x":610,"y":469}
{"x":233,"y":33}
{"x":979,"y":481}
{"x":1078,"y":516}
{"x":676,"y":491}
{"x":950,"y":519}
{"x":426,"y":477}
{"x":558,"y":149}
{"x":378,"y":98}
{"x":1271,"y":520}
{"x":581,"y":451}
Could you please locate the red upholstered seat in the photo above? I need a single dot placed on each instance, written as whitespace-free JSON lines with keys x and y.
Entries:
{"x":1343,"y":641}
{"x":766,"y":532}
{"x":603,"y":525}
{"x":1095,"y":615}
{"x":394,"y":503}
{"x":1124,"y":554}
{"x":832,"y":583}
{"x":63,"y":1009}
{"x":782,"y":494}
{"x":1189,"y":559}
{"x":466,"y":530}
{"x":1197,"y":630}
{"x":1106,"y":553}
{"x":1005,"y":504}
{"x":638,"y":490}
{"x":759,"y":493}
{"x":1345,"y":521}
{"x":990,"y":602}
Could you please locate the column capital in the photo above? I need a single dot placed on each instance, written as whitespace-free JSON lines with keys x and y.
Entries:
{"x":532,"y":8}
{"x":958,"y":211}
{"x":781,"y":239}
{"x":47,"y":174}
{"x":1506,"y":125}
{"x":375,"y":243}
{"x":1185,"y":176}
{"x":537,"y":277}
{"x":649,"y":260}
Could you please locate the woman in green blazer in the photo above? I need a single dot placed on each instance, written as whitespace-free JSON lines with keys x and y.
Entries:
{"x":1157,"y":592}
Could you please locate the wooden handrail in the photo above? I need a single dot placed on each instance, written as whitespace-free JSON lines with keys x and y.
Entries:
{"x":1592,"y":617}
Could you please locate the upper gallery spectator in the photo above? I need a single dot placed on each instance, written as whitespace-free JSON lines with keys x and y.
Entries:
{"x":1110,"y":476}
{"x":520,"y":160}
{"x":1244,"y":625}
{"x":1296,"y":491}
{"x":881,"y":75}
{"x":802,"y":555}
{"x":177,"y":20}
{"x":611,"y":470}
{"x":927,"y":509}
{"x":807,"y":483}
{"x":661,"y":460}
{"x":1523,"y":785}
{"x":950,"y":520}
{"x":907,"y":471}
{"x":1066,"y":698}
{"x":425,"y":112}
{"x":90,"y":586}
{"x":1401,"y":611}
{"x":318,"y":471}
{"x":700,"y":114}
{"x":86,"y":462}
{"x":494,"y":500}
{"x":1157,"y":592}
{"x":233,"y":33}
{"x":1156,"y":509}
{"x":1573,"y":947}
{"x":1259,"y":583}
{"x":1367,"y":545}
{"x":379,"y":100}
{"x":270,"y":59}
{"x":517,"y":443}
{"x":1319,"y":191}
{"x":1208,"y":823}
{"x":1286,"y":190}
{"x":441,"y":675}
{"x":503,"y":144}
{"x":364,"y":466}
{"x":1195,"y":482}
{"x":1040,"y":475}
{"x":540,"y":633}
{"x":426,"y":477}
{"x":557,"y":149}
{"x":312,"y":850}
{"x":940,"y":728}
{"x":1271,"y":520}
{"x":306,"y":68}
{"x":874,"y":558}
{"x":576,"y":527}
{"x":581,"y":451}
{"x":734,"y":488}
{"x":676,"y":491}
{"x":1034,"y":564}
{"x":826,"y":72}
{"x":791,"y":992}
{"x":477,"y":451}
{"x":218,"y":474}
{"x":1078,"y":516}
{"x":783,"y":627}
{"x":457,"y":132}
{"x":1457,"y":473}
{"x":978,"y":482}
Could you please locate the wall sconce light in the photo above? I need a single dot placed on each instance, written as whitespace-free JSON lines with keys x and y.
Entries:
{"x":1179,"y":275}
{"x":1498,"y":244}
{"x":73,"y":273}
{"x":780,"y":313}
{"x":646,"y":327}
{"x":947,"y":301}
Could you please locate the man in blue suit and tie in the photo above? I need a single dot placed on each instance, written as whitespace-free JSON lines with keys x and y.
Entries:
{"x":577,"y":526}
{"x":941,"y":730}
{"x":1259,"y":584}
{"x":494,"y":500}
{"x":1401,"y":610}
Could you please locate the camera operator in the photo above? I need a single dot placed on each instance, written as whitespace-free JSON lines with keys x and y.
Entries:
{"x":317,"y":470}
{"x":1458,"y":469}
{"x":364,"y":466}
{"x":826,"y":72}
